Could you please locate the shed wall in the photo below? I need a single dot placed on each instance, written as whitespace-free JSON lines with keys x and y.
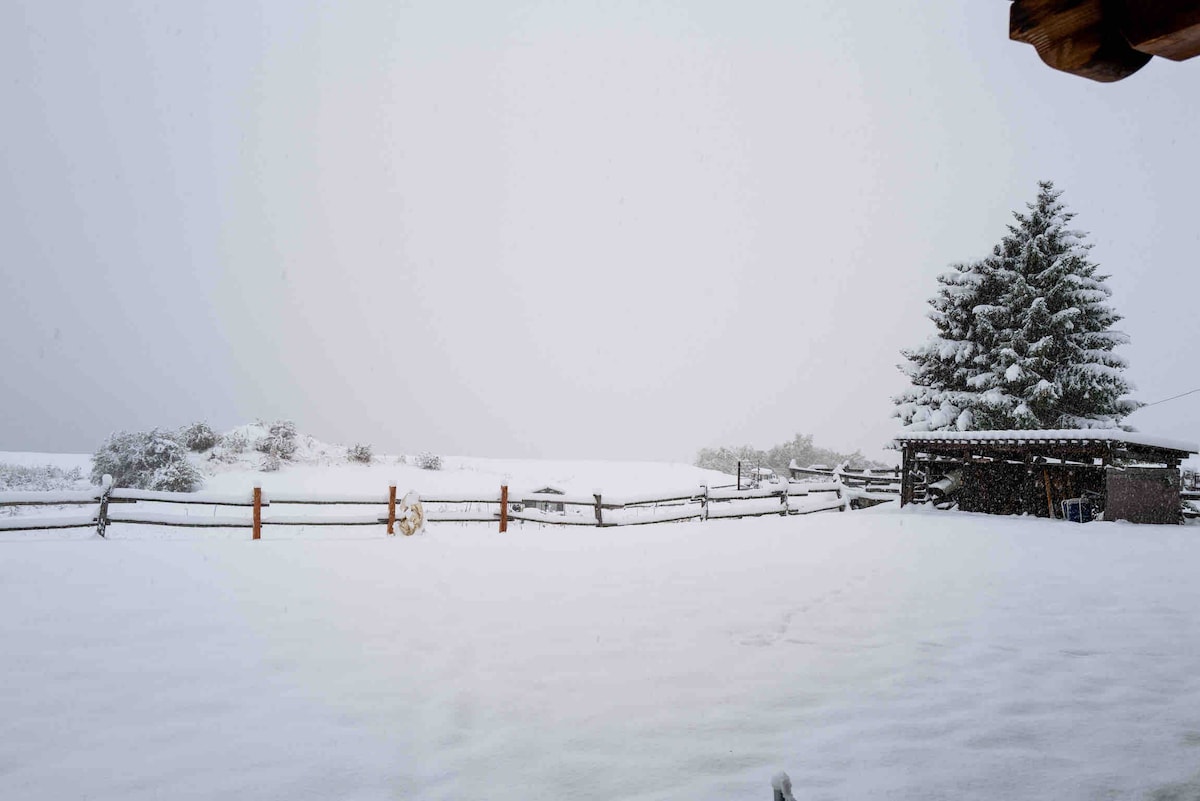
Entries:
{"x":1143,"y":495}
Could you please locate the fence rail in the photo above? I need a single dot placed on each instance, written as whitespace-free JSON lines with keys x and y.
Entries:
{"x":106,"y":505}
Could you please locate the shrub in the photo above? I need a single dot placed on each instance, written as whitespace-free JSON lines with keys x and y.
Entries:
{"x":234,"y":442}
{"x":40,"y":479}
{"x":37,"y":479}
{"x":153,"y":460}
{"x":429,"y":461}
{"x":198,"y":437}
{"x":359,"y":453}
{"x":270,"y":463}
{"x":280,"y":440}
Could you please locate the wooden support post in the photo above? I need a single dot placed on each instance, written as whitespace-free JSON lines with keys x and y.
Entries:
{"x":257,"y":512}
{"x":391,"y":510}
{"x":783,"y":499}
{"x":704,"y":502}
{"x":106,"y":485}
{"x":906,"y":487}
{"x":1049,"y":498}
{"x":503,"y":508}
{"x":599,"y":510}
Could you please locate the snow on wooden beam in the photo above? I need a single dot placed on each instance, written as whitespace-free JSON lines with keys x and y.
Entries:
{"x":1093,"y":437}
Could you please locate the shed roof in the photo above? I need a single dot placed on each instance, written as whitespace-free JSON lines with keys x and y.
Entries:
{"x":1083,"y":436}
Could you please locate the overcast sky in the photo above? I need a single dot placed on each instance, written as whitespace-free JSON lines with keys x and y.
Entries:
{"x":612,"y":230}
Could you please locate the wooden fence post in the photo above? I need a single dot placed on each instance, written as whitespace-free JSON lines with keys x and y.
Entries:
{"x":704,"y":502}
{"x":257,"y":511}
{"x":783,"y":496}
{"x":599,"y":510}
{"x":781,"y":787}
{"x":503,"y":508}
{"x":392,"y":510}
{"x":106,"y":485}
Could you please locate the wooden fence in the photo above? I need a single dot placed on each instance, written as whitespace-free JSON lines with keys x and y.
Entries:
{"x":106,"y":505}
{"x":1191,"y":503}
{"x":864,"y":488}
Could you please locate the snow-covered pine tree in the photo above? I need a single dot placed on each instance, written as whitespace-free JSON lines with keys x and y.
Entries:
{"x":1055,"y":366}
{"x":1024,"y":337}
{"x":948,"y":370}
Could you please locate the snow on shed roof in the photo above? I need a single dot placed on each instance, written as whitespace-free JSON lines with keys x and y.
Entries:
{"x":1051,"y":435}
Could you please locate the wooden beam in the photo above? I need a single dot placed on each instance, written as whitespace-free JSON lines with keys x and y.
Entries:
{"x":1167,"y":28}
{"x":1075,"y":36}
{"x":1049,"y":498}
{"x":906,"y":482}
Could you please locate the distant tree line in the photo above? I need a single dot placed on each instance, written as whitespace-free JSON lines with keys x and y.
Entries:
{"x":799,"y":447}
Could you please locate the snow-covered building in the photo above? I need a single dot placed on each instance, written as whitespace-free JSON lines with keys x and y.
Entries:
{"x":544,"y":505}
{"x":1123,"y":475}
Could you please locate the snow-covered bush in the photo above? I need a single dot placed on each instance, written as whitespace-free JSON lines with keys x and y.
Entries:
{"x":270,"y":463}
{"x":153,"y":460}
{"x":43,"y":478}
{"x":234,"y":442}
{"x":359,"y":453}
{"x":37,"y":479}
{"x":429,"y":461}
{"x":280,"y":440}
{"x":198,"y":437}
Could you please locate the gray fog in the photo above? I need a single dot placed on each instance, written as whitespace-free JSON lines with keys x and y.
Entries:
{"x":618,"y":230}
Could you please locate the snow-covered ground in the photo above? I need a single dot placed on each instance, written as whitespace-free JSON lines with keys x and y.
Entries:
{"x":876,"y":654}
{"x":323,"y":468}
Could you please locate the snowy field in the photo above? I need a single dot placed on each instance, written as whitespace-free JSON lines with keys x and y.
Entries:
{"x":877,"y":654}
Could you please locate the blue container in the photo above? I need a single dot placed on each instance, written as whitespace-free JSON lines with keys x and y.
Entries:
{"x":1077,"y":510}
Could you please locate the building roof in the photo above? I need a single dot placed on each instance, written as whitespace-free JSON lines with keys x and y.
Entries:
{"x":1083,"y":436}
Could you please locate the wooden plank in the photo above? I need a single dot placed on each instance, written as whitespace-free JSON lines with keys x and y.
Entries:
{"x":459,"y":499}
{"x":124,"y":494}
{"x":188,"y":522}
{"x":52,"y":523}
{"x":317,"y":521}
{"x":636,"y":522}
{"x":832,"y":507}
{"x":87,"y":502}
{"x":562,"y":520}
{"x":49,"y":497}
{"x":1167,"y":28}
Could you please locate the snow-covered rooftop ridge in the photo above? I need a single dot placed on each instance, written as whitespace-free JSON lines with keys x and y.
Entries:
{"x":1064,"y":434}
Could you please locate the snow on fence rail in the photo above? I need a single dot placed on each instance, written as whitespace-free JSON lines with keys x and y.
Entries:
{"x":105,"y":505}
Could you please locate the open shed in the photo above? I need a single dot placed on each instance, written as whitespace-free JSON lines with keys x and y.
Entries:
{"x":1127,"y":476}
